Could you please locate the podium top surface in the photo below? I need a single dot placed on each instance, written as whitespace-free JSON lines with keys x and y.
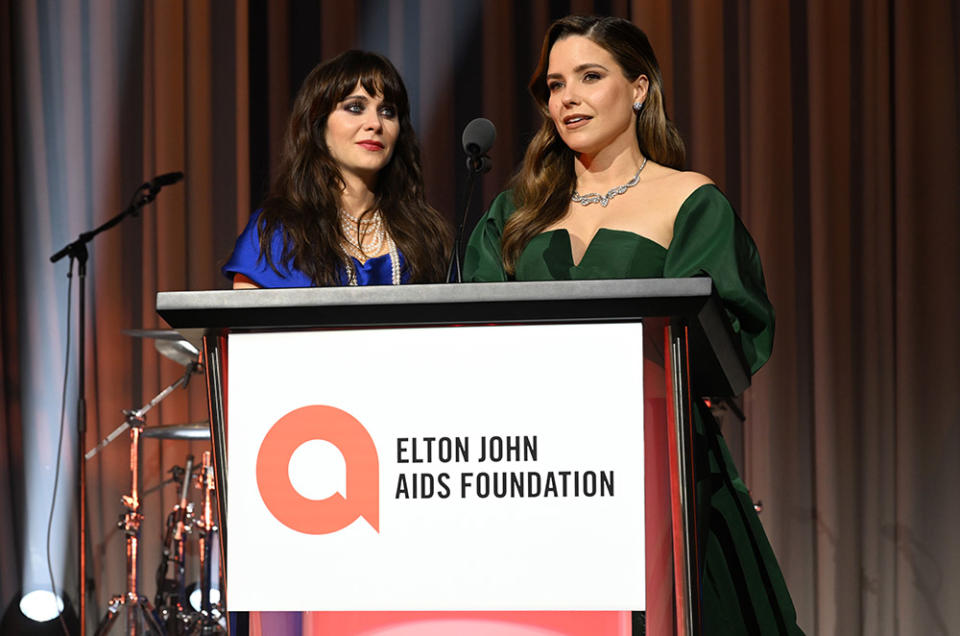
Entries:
{"x":566,"y":301}
{"x":691,"y":299}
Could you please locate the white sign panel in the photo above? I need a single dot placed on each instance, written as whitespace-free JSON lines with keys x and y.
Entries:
{"x":450,"y":468}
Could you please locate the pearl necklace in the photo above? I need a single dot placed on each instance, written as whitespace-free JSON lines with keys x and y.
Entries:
{"x":394,"y":265}
{"x":604,"y":199}
{"x":354,"y":230}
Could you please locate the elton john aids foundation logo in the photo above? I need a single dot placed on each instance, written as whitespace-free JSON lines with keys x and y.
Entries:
{"x":320,"y":516}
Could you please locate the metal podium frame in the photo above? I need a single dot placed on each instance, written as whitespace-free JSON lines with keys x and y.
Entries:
{"x":696,"y":329}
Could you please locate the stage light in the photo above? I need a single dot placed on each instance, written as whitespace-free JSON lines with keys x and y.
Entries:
{"x":37,"y":613}
{"x":41,"y":605}
{"x":46,"y":478}
{"x":195,"y":595}
{"x":42,"y":478}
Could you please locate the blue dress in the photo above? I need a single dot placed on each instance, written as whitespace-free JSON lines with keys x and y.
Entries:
{"x":246,"y":259}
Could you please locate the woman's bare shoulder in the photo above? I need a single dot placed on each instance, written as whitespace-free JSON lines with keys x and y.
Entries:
{"x":670,"y":188}
{"x":691,"y":180}
{"x":680,"y":183}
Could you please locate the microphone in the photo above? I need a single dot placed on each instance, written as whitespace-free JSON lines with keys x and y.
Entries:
{"x":78,"y":249}
{"x":478,"y":138}
{"x":165,"y":179}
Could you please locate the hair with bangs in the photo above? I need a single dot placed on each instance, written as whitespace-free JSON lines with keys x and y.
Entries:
{"x":546,"y":181}
{"x":305,"y":197}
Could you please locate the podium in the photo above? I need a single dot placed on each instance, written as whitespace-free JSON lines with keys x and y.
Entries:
{"x":689,"y":351}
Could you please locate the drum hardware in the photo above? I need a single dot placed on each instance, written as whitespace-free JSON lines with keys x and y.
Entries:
{"x":210,"y":615}
{"x":196,"y":431}
{"x":193,"y":609}
{"x":169,"y":343}
{"x":139,"y":613}
{"x":171,"y":599}
{"x":137,"y":415}
{"x":176,"y":477}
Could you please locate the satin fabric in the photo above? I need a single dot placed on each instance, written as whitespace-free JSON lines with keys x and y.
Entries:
{"x":743,"y":590}
{"x":708,"y":239}
{"x":247,"y":260}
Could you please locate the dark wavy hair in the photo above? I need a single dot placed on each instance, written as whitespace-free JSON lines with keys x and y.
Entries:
{"x":304,"y":199}
{"x":546,"y":181}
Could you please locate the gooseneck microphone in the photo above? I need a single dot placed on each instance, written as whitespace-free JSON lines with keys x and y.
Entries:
{"x":478,"y":138}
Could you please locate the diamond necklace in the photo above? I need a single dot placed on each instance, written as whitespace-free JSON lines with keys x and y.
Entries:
{"x":604,"y":199}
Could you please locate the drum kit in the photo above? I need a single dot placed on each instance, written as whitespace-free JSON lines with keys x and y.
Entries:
{"x":177,"y":609}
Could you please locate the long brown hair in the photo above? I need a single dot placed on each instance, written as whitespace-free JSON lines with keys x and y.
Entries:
{"x":304,"y":200}
{"x":546,"y":181}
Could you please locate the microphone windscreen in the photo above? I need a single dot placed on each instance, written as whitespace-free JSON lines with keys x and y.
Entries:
{"x":478,"y":136}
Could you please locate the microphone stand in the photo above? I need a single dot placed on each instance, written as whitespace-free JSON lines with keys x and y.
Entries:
{"x":77,"y":251}
{"x":477,"y":164}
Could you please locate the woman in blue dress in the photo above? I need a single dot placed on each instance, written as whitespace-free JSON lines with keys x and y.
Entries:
{"x":347,"y":206}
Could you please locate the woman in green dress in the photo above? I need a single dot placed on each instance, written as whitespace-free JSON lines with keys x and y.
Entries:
{"x":602,"y":195}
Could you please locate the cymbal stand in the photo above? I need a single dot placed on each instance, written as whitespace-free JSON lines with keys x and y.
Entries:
{"x":138,"y":611}
{"x":171,"y":599}
{"x":137,"y":416}
{"x":210,"y":612}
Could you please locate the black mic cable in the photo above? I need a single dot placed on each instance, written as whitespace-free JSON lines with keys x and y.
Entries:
{"x":56,"y":472}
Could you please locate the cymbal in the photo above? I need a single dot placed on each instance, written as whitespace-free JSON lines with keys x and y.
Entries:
{"x":197,"y":430}
{"x":169,"y":343}
{"x":155,"y":334}
{"x":180,"y":351}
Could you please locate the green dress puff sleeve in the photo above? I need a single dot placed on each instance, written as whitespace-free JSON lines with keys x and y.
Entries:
{"x":709,"y":238}
{"x":482,"y":262}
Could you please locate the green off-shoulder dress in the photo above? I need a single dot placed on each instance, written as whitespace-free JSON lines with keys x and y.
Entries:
{"x":743,"y":588}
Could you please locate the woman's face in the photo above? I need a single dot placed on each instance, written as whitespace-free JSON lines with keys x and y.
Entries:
{"x":361,"y":133}
{"x":591,"y":102}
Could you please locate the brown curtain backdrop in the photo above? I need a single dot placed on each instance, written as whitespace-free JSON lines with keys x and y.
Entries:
{"x":832,"y":125}
{"x":11,"y":459}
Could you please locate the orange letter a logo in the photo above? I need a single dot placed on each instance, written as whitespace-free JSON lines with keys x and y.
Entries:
{"x":323,"y":516}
